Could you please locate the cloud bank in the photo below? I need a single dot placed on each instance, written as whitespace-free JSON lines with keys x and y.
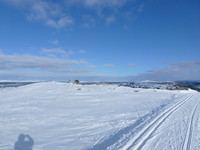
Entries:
{"x":173,"y":72}
{"x":30,"y":67}
{"x":30,"y":61}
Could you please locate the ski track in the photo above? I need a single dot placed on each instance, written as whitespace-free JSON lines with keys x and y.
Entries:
{"x":142,"y":129}
{"x":188,"y":138}
{"x":139,"y":140}
{"x":108,"y":142}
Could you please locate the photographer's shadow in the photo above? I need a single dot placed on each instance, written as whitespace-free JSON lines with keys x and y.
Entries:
{"x":25,"y":142}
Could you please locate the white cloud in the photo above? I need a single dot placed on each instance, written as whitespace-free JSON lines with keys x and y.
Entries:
{"x":59,"y":14}
{"x":30,"y":67}
{"x":60,"y":52}
{"x":17,"y":2}
{"x":55,"y":42}
{"x":132,"y":65}
{"x":81,"y":52}
{"x":50,"y":13}
{"x":110,"y":19}
{"x":31,"y":62}
{"x":141,"y":7}
{"x":92,"y":66}
{"x":100,"y":9}
{"x":177,"y":71}
{"x":57,"y":51}
{"x":95,"y":3}
{"x":80,"y":74}
{"x":44,"y":75}
{"x":109,"y":65}
{"x":88,"y":21}
{"x":107,"y":3}
{"x":62,"y":22}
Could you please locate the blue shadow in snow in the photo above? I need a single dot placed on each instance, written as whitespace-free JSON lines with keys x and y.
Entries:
{"x":25,"y":142}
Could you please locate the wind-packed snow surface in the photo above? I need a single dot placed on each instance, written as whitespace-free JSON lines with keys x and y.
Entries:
{"x":61,"y":116}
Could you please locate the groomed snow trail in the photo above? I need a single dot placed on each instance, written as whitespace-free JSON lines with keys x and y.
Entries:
{"x":146,"y":133}
{"x":188,"y":138}
{"x":155,"y":134}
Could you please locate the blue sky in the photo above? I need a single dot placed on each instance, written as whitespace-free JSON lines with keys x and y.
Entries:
{"x":100,"y":40}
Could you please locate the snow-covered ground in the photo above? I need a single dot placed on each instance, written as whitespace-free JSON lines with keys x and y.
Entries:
{"x":60,"y":116}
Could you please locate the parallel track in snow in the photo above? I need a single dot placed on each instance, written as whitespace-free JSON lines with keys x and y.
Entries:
{"x":188,"y":137}
{"x":138,"y":141}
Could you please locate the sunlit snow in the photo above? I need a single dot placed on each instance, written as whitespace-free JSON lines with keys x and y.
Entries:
{"x":65,"y":116}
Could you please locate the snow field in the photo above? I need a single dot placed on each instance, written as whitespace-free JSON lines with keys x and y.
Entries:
{"x":66,"y":116}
